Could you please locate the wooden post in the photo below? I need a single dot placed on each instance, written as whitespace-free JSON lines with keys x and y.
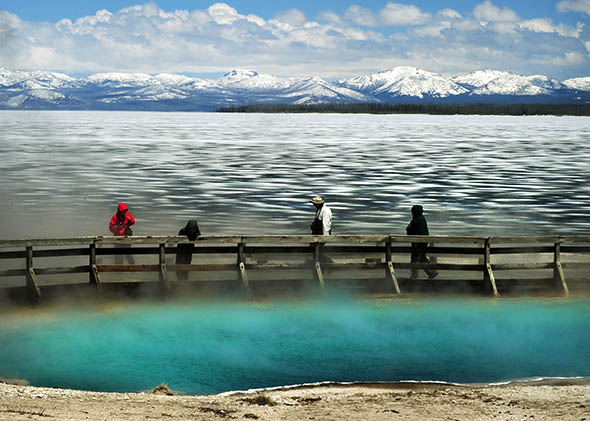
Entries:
{"x":32,"y":284}
{"x":558,"y":275}
{"x":242,"y":276}
{"x":389,"y":271}
{"x":488,"y":274}
{"x":163,"y":273}
{"x":317,"y":253}
{"x":92,"y":268}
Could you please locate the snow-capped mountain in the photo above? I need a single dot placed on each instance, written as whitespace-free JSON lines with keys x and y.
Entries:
{"x":141,"y":91}
{"x":492,"y":82}
{"x":405,"y":81}
{"x":580,"y":83}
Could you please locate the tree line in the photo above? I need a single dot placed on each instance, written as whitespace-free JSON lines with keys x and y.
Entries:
{"x":442,"y":109}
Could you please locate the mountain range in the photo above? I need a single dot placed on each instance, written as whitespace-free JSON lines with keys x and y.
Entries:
{"x":175,"y":92}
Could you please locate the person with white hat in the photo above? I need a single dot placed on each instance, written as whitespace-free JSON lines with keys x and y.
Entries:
{"x":322,"y":223}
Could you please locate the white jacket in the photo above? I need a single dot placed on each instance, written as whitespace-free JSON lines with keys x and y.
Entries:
{"x":324,"y":214}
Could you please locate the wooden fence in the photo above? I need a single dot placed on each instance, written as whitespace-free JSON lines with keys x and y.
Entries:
{"x":256,"y":265}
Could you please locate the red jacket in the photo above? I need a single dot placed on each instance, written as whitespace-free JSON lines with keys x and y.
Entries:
{"x":121,"y":221}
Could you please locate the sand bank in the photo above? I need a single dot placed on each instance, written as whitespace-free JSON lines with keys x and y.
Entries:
{"x":531,"y":401}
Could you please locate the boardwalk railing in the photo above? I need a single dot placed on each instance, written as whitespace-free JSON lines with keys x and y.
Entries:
{"x":263,"y":264}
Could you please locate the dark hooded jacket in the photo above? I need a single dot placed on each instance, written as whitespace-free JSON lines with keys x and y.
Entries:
{"x":418,"y":225}
{"x":191,"y":230}
{"x":184,"y":253}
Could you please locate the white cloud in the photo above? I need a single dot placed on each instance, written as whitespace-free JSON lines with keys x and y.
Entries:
{"x":570,"y":58}
{"x":223,"y":14}
{"x":582,"y":6}
{"x":146,"y":39}
{"x":397,"y":14}
{"x":292,"y":17}
{"x":362,"y":16}
{"x":449,"y":14}
{"x":547,"y":26}
{"x":432,"y":30}
{"x":488,"y":12}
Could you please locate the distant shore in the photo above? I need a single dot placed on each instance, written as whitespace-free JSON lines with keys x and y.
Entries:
{"x":521,"y":109}
{"x":408,"y":401}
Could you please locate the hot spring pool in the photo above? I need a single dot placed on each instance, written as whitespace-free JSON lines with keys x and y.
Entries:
{"x":204,"y":348}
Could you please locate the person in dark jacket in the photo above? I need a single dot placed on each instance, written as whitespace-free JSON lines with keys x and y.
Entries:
{"x":120,"y":225}
{"x":184,"y":252}
{"x":418,"y":226}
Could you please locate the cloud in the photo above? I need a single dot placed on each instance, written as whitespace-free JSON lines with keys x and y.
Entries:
{"x":393,"y":14}
{"x":403,"y":15}
{"x":449,"y":14}
{"x":582,"y":6}
{"x":147,"y":39}
{"x":546,"y":25}
{"x":570,"y":58}
{"x":362,"y":16}
{"x":488,"y":12}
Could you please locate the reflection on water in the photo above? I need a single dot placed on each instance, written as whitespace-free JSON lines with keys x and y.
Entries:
{"x":202,"y":348}
{"x":63,"y":172}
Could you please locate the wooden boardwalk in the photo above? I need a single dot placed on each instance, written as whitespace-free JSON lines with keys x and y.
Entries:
{"x":37,"y":269}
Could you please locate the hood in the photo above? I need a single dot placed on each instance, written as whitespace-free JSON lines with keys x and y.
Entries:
{"x":191,"y":230}
{"x":122,"y":207}
{"x":417,"y":210}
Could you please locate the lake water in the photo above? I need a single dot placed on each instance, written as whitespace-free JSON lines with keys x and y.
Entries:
{"x":63,"y":173}
{"x":201,"y":348}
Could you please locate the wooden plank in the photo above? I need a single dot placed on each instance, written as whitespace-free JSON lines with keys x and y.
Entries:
{"x":201,"y":267}
{"x":13,"y":272}
{"x":437,"y":239}
{"x":488,"y":272}
{"x":558,"y":274}
{"x":128,"y":268}
{"x":288,"y":239}
{"x":242,"y":276}
{"x":575,"y":265}
{"x":317,"y":254}
{"x":548,"y":239}
{"x":109,"y":251}
{"x":564,"y":249}
{"x":522,"y":266}
{"x":441,"y":266}
{"x":13,"y":254}
{"x":96,"y":277}
{"x":62,"y":270}
{"x":204,"y":249}
{"x":163,"y":275}
{"x":522,"y":250}
{"x":390,"y":272}
{"x":31,"y":278}
{"x":93,"y":277}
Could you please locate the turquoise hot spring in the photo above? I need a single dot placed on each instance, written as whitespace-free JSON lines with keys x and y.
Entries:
{"x":212,"y":347}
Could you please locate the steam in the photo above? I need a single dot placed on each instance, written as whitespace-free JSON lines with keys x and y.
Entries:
{"x":200,"y":347}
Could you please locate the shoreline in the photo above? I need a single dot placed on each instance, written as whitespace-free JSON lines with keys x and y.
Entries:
{"x":548,"y":400}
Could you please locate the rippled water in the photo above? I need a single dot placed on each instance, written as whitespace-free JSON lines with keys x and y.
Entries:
{"x":64,"y":172}
{"x":214,"y":347}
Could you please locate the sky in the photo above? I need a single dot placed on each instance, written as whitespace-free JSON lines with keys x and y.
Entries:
{"x":330,"y":39}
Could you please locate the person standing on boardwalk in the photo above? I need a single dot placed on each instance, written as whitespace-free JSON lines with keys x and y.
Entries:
{"x":120,"y":225}
{"x":419,"y":226}
{"x":322,"y":223}
{"x":184,"y":252}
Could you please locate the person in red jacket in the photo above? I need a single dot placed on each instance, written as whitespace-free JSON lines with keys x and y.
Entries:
{"x":121,"y":221}
{"x":120,"y":225}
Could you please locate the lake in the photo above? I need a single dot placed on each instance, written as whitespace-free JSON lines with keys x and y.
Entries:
{"x":63,"y":172}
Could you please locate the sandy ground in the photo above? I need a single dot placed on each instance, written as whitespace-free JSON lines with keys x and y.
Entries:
{"x":548,"y":401}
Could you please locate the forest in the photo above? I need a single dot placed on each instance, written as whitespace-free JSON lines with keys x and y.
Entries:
{"x":441,"y":109}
